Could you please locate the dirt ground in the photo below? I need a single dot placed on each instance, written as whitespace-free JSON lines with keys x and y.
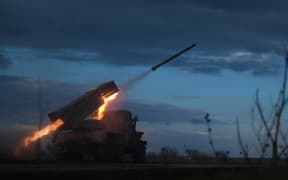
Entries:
{"x":71,"y":170}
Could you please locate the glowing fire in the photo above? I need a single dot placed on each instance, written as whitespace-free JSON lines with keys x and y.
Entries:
{"x":43,"y":132}
{"x":101,"y":109}
{"x":59,"y":122}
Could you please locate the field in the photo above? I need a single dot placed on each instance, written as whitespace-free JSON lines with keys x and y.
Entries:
{"x":66,"y":170}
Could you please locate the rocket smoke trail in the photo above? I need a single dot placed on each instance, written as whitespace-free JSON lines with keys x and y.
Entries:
{"x":141,"y":76}
{"x":131,"y":82}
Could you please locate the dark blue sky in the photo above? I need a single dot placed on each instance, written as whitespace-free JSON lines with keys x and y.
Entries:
{"x":75,"y":45}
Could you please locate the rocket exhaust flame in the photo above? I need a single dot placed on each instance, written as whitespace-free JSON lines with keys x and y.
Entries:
{"x":43,"y":132}
{"x":59,"y":122}
{"x":101,"y":109}
{"x":96,"y":99}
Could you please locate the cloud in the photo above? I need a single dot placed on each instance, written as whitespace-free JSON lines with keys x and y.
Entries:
{"x":4,"y":62}
{"x":185,"y":97}
{"x":197,"y":121}
{"x":167,"y":114}
{"x":258,"y":64}
{"x":129,"y":24}
{"x":163,"y":113}
{"x":227,"y":5}
{"x":19,"y":98}
{"x":145,"y":32}
{"x":19,"y":102}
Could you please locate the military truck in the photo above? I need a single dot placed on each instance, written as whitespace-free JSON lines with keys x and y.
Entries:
{"x":114,"y":138}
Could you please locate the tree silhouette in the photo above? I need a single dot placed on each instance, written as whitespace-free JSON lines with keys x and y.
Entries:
{"x":272,"y":127}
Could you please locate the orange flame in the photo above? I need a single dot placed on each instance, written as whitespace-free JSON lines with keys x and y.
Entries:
{"x":101,"y":109}
{"x":43,"y":132}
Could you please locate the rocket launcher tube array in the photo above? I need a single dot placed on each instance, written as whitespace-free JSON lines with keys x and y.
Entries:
{"x":84,"y":106}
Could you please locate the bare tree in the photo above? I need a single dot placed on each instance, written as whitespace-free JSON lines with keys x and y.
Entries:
{"x":258,"y":132}
{"x":272,"y":127}
{"x":244,"y":149}
{"x":209,"y":129}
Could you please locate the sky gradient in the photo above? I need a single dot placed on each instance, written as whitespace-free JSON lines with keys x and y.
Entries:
{"x":76,"y":45}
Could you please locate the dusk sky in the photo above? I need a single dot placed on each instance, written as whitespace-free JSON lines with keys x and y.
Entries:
{"x":73,"y":46}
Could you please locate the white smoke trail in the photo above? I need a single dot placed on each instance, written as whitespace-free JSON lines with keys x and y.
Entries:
{"x":131,"y":82}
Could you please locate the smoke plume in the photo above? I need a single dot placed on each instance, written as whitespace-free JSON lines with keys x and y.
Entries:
{"x":131,"y":82}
